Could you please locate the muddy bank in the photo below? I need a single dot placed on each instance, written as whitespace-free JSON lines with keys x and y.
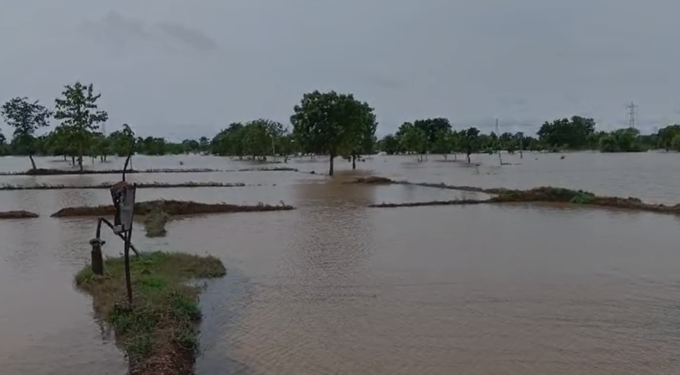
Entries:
{"x":18,"y":215}
{"x":140,"y":185}
{"x":159,"y":330}
{"x":430,"y":203}
{"x":377,"y":180}
{"x":545,"y":194}
{"x":63,"y":172}
{"x":171,"y":207}
{"x":275,"y":169}
{"x":548,"y":194}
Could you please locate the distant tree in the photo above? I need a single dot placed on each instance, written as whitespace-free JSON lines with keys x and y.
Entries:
{"x":573,"y":133}
{"x":330,"y":123}
{"x":469,"y":141}
{"x":204,"y":144}
{"x":413,"y":139}
{"x":26,"y":118}
{"x":228,"y":141}
{"x":79,"y":115}
{"x":666,"y":135}
{"x":192,"y":145}
{"x":389,"y":144}
{"x":122,"y":140}
{"x":363,"y":141}
{"x":443,"y":142}
{"x":3,"y":145}
{"x":256,"y":140}
{"x":621,"y":140}
{"x":432,"y":128}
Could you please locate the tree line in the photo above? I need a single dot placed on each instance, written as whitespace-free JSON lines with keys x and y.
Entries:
{"x":322,"y":123}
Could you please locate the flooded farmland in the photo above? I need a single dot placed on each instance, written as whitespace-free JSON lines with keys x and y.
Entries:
{"x":335,"y":287}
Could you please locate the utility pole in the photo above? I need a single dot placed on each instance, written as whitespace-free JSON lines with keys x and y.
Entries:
{"x":498,"y":142}
{"x":632,"y":114}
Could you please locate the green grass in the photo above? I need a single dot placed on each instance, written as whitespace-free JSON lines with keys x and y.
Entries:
{"x":162,"y":321}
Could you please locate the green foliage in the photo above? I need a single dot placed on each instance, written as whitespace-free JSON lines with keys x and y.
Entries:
{"x":583,"y":197}
{"x":621,"y":140}
{"x":389,"y":144}
{"x":80,"y":118}
{"x":328,"y":123}
{"x":413,"y":138}
{"x":165,"y":309}
{"x":573,"y":134}
{"x":26,"y":118}
{"x":259,"y":138}
{"x":332,"y":123}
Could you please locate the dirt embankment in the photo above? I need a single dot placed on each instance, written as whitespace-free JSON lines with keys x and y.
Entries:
{"x":21,"y":214}
{"x":377,"y":180}
{"x":63,"y":172}
{"x":171,"y":207}
{"x":159,"y":331}
{"x":549,"y":194}
{"x":140,"y":185}
{"x":455,"y":202}
{"x":545,"y":194}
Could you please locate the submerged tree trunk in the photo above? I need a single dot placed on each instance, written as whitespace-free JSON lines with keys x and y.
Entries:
{"x":354,"y":162}
{"x":32,"y":161}
{"x":330,"y":168}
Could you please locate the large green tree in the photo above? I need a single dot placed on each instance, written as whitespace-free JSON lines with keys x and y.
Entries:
{"x":26,"y":117}
{"x":331,"y":123}
{"x":79,"y":115}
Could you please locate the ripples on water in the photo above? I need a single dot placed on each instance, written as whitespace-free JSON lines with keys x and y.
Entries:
{"x":336,"y":288}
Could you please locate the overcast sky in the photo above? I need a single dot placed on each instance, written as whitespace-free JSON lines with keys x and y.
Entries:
{"x":182,"y":68}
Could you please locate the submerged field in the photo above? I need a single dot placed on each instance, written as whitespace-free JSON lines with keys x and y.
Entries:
{"x":336,"y":286}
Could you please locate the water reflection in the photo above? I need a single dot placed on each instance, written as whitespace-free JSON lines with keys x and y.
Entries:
{"x":336,"y":288}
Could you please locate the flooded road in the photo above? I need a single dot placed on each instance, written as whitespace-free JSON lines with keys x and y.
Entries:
{"x":338,"y":288}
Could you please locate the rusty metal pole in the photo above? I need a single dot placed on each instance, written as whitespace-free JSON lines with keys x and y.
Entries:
{"x":128,"y":276}
{"x":97,"y":257}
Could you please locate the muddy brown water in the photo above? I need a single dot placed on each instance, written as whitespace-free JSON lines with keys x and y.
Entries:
{"x":338,"y":288}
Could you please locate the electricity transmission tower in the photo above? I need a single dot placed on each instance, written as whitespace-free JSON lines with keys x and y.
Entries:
{"x":632,"y":114}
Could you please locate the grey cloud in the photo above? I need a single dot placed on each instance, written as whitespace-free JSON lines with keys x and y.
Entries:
{"x":525,"y":61}
{"x":114,"y":29}
{"x":190,"y":37}
{"x":119,"y":31}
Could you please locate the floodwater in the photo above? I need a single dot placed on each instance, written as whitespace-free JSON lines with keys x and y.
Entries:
{"x":338,"y":288}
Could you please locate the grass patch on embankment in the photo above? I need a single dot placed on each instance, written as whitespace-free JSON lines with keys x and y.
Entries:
{"x":18,"y":214}
{"x":544,"y":194}
{"x":172,"y":208}
{"x":159,"y":331}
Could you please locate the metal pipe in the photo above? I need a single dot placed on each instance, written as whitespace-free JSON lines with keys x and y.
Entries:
{"x":108,"y":223}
